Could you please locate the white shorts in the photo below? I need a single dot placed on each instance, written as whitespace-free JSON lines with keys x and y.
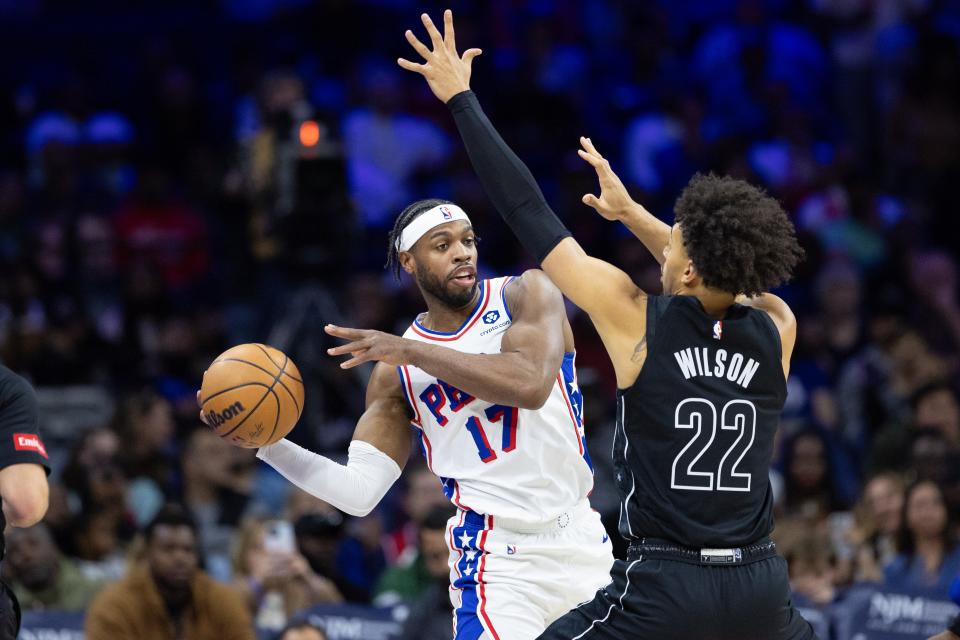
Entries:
{"x":510,"y":580}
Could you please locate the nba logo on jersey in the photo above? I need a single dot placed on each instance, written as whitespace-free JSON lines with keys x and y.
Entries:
{"x":717,"y":329}
{"x":511,"y":549}
{"x":446,"y":213}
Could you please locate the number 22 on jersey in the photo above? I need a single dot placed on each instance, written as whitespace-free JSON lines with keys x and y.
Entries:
{"x":700,"y":416}
{"x":436,"y":396}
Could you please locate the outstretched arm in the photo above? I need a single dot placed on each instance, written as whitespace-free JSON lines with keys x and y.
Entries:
{"x":531,"y":350}
{"x":616,"y":204}
{"x":376,"y":456}
{"x":615,"y":304}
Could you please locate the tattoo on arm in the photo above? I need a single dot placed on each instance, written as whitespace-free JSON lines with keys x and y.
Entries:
{"x":640,"y":351}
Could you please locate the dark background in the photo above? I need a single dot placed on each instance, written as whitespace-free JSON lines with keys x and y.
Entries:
{"x":157,"y":206}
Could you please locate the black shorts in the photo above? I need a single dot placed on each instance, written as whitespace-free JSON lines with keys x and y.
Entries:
{"x":9,"y":614}
{"x":668,"y":593}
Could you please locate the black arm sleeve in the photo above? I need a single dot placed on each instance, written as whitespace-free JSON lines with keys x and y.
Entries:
{"x":507,"y":181}
{"x":19,"y":423}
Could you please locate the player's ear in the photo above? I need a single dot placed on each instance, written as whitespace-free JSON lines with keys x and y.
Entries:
{"x":407,"y":262}
{"x":689,"y":274}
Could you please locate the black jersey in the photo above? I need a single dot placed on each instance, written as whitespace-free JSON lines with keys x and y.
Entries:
{"x":695,"y":432}
{"x":19,"y":429}
{"x":19,"y":423}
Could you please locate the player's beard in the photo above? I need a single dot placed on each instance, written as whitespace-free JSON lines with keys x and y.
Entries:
{"x":455,"y":299}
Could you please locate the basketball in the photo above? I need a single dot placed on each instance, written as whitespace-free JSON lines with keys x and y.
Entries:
{"x":252,"y":395}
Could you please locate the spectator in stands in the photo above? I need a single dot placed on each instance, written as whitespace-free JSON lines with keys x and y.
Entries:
{"x":158,"y":229}
{"x":104,"y":487}
{"x":386,"y":147}
{"x":902,"y":367}
{"x":429,"y":617}
{"x":216,"y":491}
{"x":300,"y":503}
{"x":915,"y":364}
{"x":320,"y":537}
{"x":422,"y":493}
{"x":933,"y":275}
{"x":302,"y":631}
{"x":169,"y":596}
{"x":935,"y":406}
{"x":840,"y":294}
{"x":407,"y":581}
{"x":144,"y":423}
{"x":97,"y":544}
{"x":349,"y":552}
{"x":877,"y":525}
{"x":263,"y":574}
{"x":928,"y":554}
{"x":930,"y":457}
{"x":810,"y":493}
{"x":92,"y":448}
{"x":812,"y":566}
{"x":41,"y":577}
{"x":868,"y":402}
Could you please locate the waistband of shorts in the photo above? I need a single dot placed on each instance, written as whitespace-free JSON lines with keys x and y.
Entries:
{"x":658,"y":548}
{"x":579,"y":511}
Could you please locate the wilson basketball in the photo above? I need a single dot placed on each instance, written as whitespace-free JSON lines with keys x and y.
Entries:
{"x":252,"y":395}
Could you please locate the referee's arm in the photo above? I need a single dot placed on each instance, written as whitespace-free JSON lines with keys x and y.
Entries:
{"x":23,"y":458}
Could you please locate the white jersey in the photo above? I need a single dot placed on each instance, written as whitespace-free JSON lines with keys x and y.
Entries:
{"x":526,"y":465}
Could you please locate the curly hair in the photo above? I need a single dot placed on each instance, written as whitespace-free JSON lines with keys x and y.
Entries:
{"x":408,"y":215}
{"x":738,"y":237}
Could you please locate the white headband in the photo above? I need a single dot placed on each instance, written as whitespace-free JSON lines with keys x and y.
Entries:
{"x":440,"y":214}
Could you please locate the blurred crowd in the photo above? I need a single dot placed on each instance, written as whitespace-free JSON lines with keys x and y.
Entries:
{"x":180,"y":177}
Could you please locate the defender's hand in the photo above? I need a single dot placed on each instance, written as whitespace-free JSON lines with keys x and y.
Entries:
{"x":446,"y":71}
{"x":366,"y":345}
{"x":946,"y":635}
{"x":614,"y":201}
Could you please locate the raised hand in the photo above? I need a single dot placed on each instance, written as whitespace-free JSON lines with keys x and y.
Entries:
{"x":446,"y":71}
{"x":367,"y":344}
{"x":614,"y":201}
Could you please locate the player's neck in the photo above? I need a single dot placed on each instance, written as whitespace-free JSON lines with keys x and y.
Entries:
{"x":715,"y":303}
{"x":442,"y":317}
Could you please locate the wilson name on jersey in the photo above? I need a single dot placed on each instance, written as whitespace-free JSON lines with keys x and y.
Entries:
{"x":529,"y":465}
{"x":695,"y":432}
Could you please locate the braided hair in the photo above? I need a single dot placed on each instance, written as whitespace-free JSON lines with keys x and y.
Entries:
{"x":407,"y":216}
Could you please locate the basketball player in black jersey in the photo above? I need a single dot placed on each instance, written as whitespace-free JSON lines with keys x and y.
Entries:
{"x":701,"y":373}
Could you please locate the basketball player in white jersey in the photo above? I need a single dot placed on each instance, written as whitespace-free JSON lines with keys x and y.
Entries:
{"x":487,"y":378}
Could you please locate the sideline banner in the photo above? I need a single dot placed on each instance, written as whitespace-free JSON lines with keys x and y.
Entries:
{"x":355,"y":622}
{"x":342,"y":622}
{"x":51,"y":625}
{"x":873,"y":612}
